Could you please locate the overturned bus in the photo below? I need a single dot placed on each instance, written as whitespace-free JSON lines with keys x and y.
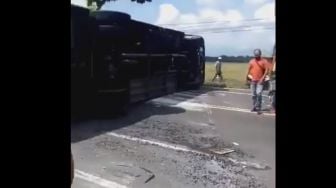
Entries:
{"x":116,"y":61}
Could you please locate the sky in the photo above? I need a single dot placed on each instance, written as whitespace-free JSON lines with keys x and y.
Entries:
{"x":229,"y":27}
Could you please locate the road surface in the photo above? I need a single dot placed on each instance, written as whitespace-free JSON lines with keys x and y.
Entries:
{"x":200,"y":138}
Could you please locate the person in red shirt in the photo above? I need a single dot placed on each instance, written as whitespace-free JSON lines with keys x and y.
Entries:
{"x":257,"y":71}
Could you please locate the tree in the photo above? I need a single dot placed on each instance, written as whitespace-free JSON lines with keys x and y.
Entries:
{"x":100,"y":3}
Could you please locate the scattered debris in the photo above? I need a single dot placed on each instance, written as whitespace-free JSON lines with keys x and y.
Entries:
{"x":222,"y":151}
{"x":235,"y":143}
{"x":252,"y":165}
{"x":150,"y":178}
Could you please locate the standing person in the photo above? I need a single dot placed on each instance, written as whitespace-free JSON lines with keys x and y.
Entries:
{"x":218,"y":67}
{"x":72,"y":168}
{"x":272,"y":89}
{"x":257,"y":72}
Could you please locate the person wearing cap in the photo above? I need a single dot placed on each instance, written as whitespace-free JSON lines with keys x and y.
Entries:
{"x":218,"y":67}
{"x":257,"y":71}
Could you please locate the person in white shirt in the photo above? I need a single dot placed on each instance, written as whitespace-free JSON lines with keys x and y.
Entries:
{"x":218,"y":67}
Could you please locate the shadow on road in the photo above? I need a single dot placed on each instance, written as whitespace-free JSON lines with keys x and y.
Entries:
{"x":82,"y":129}
{"x":89,"y":127}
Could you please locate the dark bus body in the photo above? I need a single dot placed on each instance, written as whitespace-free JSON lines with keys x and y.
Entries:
{"x":116,"y":61}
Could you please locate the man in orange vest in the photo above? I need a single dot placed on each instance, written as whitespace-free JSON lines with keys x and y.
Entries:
{"x":257,"y":72}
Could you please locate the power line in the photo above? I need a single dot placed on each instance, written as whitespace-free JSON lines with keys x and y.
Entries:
{"x":239,"y":30}
{"x":209,"y":19}
{"x":220,"y":27}
{"x":213,"y":21}
{"x":235,"y":30}
{"x":196,"y":27}
{"x":244,"y":27}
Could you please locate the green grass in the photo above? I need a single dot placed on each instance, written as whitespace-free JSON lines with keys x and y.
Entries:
{"x":234,"y":75}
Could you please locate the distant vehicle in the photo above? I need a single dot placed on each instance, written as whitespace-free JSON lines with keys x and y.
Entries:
{"x":116,"y":61}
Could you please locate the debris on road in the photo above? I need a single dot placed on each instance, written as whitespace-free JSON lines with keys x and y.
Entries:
{"x":252,"y":165}
{"x":235,"y":143}
{"x":150,"y":178}
{"x":183,"y":149}
{"x":221,"y":151}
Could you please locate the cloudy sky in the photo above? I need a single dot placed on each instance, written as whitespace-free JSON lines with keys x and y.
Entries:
{"x":230,"y":27}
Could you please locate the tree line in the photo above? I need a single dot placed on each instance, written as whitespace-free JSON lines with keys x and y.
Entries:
{"x":236,"y":59}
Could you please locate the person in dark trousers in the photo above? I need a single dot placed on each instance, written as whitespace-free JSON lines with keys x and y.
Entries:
{"x":218,"y":67}
{"x":72,"y":169}
{"x":257,"y":71}
{"x":272,"y":82}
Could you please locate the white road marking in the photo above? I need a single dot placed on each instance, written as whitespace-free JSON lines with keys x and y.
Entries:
{"x":238,"y":93}
{"x":233,"y":92}
{"x":236,"y":109}
{"x":185,"y":95}
{"x":158,"y":143}
{"x":178,"y":98}
{"x":201,"y":124}
{"x":239,"y":89}
{"x":182,"y":148}
{"x":97,"y":180}
{"x":227,"y":88}
{"x":200,"y":107}
{"x":174,"y":103}
{"x":221,"y":92}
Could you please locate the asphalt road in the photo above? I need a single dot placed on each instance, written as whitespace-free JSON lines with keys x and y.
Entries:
{"x":171,"y":142}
